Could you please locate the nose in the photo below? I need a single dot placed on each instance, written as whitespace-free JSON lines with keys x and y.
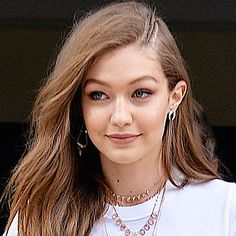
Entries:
{"x":121,"y":114}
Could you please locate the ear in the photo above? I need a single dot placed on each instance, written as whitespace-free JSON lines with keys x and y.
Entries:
{"x":177,"y":94}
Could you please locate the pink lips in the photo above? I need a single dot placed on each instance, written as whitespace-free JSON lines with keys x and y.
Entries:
{"x":122,"y":138}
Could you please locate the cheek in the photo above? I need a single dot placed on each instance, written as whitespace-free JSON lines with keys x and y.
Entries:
{"x":156,"y":113}
{"x":94,"y":118}
{"x":153,"y":121}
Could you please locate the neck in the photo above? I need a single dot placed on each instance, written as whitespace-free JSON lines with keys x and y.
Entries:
{"x":134,"y":178}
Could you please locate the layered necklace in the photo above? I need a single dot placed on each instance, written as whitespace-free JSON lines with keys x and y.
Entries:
{"x":151,"y":222}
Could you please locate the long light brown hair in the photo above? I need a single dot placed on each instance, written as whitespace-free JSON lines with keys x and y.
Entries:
{"x":53,"y":190}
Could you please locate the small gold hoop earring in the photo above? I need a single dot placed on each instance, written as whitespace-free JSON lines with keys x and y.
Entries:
{"x":172,"y":115}
{"x":81,"y":146}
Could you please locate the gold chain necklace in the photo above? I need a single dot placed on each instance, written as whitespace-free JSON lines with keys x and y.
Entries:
{"x":127,"y":199}
{"x":152,"y":220}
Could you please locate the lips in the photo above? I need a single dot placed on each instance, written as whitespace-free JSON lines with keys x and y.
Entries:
{"x":122,"y":138}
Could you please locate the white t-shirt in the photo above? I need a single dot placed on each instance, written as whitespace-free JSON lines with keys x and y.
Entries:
{"x":199,"y":209}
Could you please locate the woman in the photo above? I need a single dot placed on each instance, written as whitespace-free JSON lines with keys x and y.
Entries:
{"x":118,"y":146}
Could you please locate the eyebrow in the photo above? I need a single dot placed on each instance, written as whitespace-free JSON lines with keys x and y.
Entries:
{"x":106,"y":84}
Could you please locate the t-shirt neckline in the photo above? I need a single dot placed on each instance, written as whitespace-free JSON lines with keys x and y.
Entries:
{"x":136,"y":212}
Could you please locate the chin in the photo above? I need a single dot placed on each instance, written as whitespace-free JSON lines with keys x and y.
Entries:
{"x":121,"y":156}
{"x":124,"y":160}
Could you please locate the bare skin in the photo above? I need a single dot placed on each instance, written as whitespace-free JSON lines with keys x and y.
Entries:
{"x":125,"y":106}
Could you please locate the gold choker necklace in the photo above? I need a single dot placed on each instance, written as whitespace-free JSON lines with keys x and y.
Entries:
{"x":131,"y":198}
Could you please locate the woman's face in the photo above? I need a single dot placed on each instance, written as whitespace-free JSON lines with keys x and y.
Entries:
{"x":125,"y":102}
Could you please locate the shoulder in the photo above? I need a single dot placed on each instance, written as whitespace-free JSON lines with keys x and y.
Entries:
{"x":210,"y":196}
{"x":215,"y":184}
{"x":228,"y":191}
{"x":231,"y":209}
{"x":208,"y":193}
{"x":213,"y":189}
{"x":215,"y":194}
{"x":13,"y":230}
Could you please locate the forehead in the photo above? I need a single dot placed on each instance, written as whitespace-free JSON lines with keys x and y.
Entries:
{"x":128,"y":62}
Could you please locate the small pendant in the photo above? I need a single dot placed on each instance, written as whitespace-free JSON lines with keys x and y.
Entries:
{"x":118,"y":221}
{"x":128,"y":199}
{"x":154,"y":215}
{"x":146,"y":227}
{"x":80,"y":152}
{"x":142,"y":231}
{"x":114,"y":216}
{"x":122,"y":227}
{"x":150,"y":221}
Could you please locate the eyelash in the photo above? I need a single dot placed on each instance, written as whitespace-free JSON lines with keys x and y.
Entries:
{"x":143,"y":91}
{"x":93,"y":94}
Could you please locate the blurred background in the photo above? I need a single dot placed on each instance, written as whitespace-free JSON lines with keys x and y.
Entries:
{"x":32,"y":32}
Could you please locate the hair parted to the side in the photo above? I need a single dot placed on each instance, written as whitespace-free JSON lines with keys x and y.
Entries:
{"x":54,"y":191}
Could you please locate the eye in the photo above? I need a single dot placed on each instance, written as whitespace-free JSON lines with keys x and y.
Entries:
{"x":141,"y":93}
{"x":98,"y":95}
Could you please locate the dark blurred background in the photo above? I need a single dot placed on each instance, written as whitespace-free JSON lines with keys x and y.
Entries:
{"x":32,"y":32}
